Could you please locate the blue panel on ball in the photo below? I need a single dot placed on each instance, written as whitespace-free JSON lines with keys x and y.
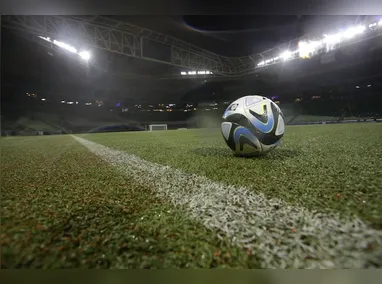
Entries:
{"x":243,"y":131}
{"x":263,"y":127}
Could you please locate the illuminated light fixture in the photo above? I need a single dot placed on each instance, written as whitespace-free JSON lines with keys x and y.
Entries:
{"x":65,"y":46}
{"x":43,"y":99}
{"x":306,"y":49}
{"x":76,"y":103}
{"x":261,"y":63}
{"x":357,"y":87}
{"x":368,"y":86}
{"x":70,"y":103}
{"x":285,"y":55}
{"x":332,"y":39}
{"x":191,"y":72}
{"x":353,"y":31}
{"x":45,"y":38}
{"x":183,"y":73}
{"x":88,"y":104}
{"x":85,"y":55}
{"x":62,"y":102}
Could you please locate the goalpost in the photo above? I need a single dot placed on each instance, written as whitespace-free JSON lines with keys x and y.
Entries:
{"x":153,"y":127}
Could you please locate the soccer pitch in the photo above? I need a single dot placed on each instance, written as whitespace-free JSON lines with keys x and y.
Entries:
{"x":182,"y":199}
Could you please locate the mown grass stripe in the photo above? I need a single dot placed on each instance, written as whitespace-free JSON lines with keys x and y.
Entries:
{"x":281,"y":235}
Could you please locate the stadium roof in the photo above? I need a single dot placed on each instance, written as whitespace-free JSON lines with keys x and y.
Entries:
{"x":115,"y":73}
{"x":242,"y":34}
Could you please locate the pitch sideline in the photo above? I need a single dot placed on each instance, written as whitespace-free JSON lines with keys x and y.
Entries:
{"x":281,"y":235}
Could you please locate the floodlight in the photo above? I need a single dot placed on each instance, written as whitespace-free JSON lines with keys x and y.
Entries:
{"x":65,"y":46}
{"x":353,"y":31}
{"x":285,"y":55}
{"x":85,"y":55}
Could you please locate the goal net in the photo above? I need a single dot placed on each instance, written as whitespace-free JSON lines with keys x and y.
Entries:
{"x":153,"y":127}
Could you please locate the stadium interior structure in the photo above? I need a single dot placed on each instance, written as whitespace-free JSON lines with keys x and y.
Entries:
{"x":137,"y":75}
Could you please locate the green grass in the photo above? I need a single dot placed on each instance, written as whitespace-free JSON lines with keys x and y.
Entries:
{"x":62,"y":207}
{"x":324,"y":167}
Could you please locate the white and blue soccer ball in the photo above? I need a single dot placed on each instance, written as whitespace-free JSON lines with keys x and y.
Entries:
{"x":252,"y":126}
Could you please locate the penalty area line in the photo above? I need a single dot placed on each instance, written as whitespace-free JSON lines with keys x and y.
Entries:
{"x":279,"y":234}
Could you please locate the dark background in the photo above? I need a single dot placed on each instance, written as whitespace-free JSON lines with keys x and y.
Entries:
{"x":28,"y":67}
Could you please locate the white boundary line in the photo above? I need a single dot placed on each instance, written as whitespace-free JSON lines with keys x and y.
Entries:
{"x":280,"y":235}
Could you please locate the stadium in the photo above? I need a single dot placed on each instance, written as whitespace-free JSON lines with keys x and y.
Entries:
{"x":112,"y":154}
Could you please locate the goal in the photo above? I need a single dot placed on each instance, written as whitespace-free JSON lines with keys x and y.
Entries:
{"x":153,"y":127}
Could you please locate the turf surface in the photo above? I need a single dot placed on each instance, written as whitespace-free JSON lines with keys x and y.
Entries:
{"x":324,"y":167}
{"x":62,"y":206}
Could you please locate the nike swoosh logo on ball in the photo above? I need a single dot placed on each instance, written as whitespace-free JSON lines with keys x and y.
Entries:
{"x":263,"y":118}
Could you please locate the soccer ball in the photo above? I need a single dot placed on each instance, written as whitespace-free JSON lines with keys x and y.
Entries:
{"x":252,"y":126}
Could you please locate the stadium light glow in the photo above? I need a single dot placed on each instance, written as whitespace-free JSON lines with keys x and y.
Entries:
{"x":307,"y":49}
{"x":353,"y":31}
{"x":201,"y":72}
{"x":357,"y":87}
{"x":70,"y":103}
{"x":285,"y":56}
{"x":43,"y":99}
{"x":62,"y":102}
{"x":65,"y":46}
{"x":85,"y":55}
{"x":368,"y":86}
